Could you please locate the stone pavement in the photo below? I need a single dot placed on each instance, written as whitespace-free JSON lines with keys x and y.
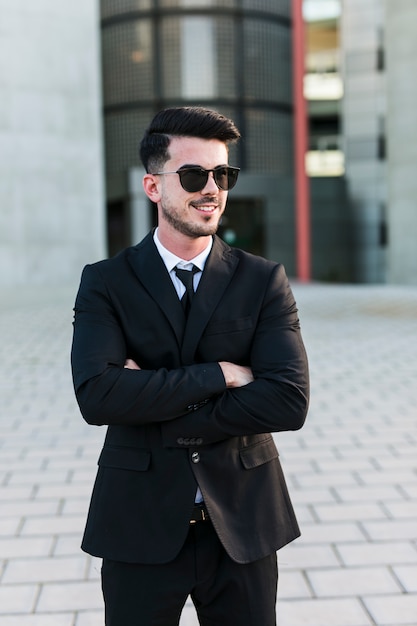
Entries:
{"x":351,"y":470}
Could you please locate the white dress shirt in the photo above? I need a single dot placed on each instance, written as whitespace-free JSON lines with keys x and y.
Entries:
{"x":171,"y":262}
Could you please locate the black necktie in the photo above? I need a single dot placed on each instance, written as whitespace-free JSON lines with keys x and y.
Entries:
{"x":186,"y":277}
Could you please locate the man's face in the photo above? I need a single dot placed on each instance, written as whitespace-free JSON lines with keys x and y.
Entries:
{"x":194,"y":214}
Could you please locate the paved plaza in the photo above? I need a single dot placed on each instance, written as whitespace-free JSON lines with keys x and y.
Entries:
{"x":352,"y":470}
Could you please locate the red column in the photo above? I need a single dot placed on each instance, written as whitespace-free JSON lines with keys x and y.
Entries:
{"x":302,"y":190}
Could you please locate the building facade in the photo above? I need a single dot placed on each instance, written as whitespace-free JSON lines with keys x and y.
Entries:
{"x":80,"y":81}
{"x":230,"y":55}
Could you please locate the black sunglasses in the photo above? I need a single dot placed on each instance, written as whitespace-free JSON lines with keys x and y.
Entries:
{"x":195,"y":178}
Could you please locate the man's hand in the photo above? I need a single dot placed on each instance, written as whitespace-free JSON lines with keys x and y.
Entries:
{"x":130,"y":364}
{"x":236,"y":375}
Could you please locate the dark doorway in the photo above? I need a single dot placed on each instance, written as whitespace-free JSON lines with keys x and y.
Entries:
{"x":243,"y":224}
{"x":118,"y":226}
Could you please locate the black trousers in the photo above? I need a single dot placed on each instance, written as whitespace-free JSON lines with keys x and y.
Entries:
{"x":224,"y":593}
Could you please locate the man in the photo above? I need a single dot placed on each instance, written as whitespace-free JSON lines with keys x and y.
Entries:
{"x":189,"y":498}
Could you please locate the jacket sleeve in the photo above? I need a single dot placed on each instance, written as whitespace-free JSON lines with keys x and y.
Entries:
{"x":278,"y":398}
{"x":108,"y":393}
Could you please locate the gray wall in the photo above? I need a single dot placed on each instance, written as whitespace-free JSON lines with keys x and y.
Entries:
{"x":51,"y":183}
{"x":401,"y":46}
{"x":333,"y":231}
{"x":363,"y":119}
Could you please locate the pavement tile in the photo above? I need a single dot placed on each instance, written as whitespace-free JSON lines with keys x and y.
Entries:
{"x":45,"y":570}
{"x":94,"y":570}
{"x":361,"y":493}
{"x":393,"y":610}
{"x":90,"y":618}
{"x":321,"y":495}
{"x":25,"y":508}
{"x":67,"y":545}
{"x":53,"y":525}
{"x":16,"y":493}
{"x":31,"y":477}
{"x":353,"y":581}
{"x":298,"y":556}
{"x":45,"y":619}
{"x":189,"y":616}
{"x":315,"y":480}
{"x":340,"y":612}
{"x":75,"y":506}
{"x":399,"y":477}
{"x":64,"y":491}
{"x":345,"y":512}
{"x":351,"y":470}
{"x":9,"y":526}
{"x":17,"y":599}
{"x":410,"y":490}
{"x":407,"y":575}
{"x":18,"y":547}
{"x":379,"y":553}
{"x":68,"y":595}
{"x":402,"y":510}
{"x":391,"y":530}
{"x":330,"y":533}
{"x":293,"y":584}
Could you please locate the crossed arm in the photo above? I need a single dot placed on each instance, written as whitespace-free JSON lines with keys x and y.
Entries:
{"x":234,"y":375}
{"x":213,"y":400}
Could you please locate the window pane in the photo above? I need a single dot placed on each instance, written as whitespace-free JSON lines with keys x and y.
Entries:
{"x":198,"y":3}
{"x":270,"y":137}
{"x":127,"y":62}
{"x":123,"y":132}
{"x":279,"y":7}
{"x":197,"y":57}
{"x":267,"y":61}
{"x":115,"y":7}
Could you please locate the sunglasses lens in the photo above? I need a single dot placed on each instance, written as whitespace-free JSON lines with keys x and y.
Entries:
{"x":193,"y":179}
{"x":226,"y":177}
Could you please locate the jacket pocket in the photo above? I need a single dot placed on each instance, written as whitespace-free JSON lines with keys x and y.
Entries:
{"x":258,"y":453}
{"x":229,"y":326}
{"x":133,"y":459}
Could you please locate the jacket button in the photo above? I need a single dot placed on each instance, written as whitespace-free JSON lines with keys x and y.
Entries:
{"x":180,"y":441}
{"x":195,"y":457}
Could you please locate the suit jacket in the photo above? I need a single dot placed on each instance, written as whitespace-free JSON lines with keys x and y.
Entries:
{"x":174,"y":424}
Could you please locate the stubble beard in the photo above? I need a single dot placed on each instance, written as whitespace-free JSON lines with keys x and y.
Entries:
{"x":188,"y":228}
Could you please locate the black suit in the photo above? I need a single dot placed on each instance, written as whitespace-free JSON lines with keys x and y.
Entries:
{"x":174,"y":425}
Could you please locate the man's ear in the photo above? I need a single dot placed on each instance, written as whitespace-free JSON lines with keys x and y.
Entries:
{"x":151,"y":187}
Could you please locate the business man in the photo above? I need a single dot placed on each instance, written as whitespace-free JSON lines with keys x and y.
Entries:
{"x":190,"y":351}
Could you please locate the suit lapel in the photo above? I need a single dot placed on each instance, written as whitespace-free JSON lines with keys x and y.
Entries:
{"x":218,"y":272}
{"x":151,"y":271}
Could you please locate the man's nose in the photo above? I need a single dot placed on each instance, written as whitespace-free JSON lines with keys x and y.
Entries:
{"x":210,"y":186}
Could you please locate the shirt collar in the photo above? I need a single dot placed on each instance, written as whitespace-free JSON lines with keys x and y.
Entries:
{"x":172,"y":260}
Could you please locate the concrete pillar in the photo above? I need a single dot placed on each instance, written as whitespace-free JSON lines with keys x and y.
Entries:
{"x":51,"y":181}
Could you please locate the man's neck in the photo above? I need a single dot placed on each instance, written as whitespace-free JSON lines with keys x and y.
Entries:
{"x":182,"y":246}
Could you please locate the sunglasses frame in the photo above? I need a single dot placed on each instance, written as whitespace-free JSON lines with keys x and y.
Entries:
{"x":184,"y":170}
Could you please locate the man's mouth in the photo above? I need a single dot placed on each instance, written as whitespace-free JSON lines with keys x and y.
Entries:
{"x":206,"y":208}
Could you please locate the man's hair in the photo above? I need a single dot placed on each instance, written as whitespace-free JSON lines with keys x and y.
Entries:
{"x":182,"y":122}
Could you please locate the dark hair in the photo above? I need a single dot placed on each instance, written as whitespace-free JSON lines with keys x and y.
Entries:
{"x":182,"y":122}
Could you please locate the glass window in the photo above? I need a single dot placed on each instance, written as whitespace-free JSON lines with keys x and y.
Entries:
{"x":109,"y":8}
{"x":127,"y":62}
{"x":198,"y":57}
{"x":195,"y":4}
{"x":279,"y":7}
{"x":267,"y":61}
{"x":123,"y":132}
{"x":269,"y":135}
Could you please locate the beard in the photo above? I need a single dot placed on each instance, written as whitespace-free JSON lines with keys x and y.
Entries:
{"x":189,"y":228}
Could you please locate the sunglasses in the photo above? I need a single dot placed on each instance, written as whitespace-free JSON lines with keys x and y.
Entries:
{"x":195,"y":178}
